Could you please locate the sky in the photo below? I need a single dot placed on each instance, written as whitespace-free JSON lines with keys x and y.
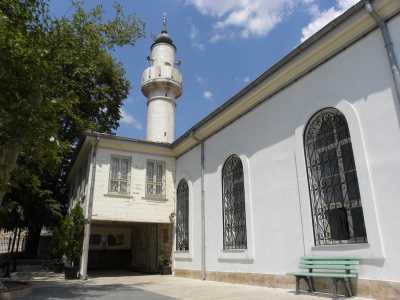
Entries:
{"x":223,"y":46}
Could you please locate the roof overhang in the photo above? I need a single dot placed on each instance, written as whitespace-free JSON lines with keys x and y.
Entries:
{"x":129,"y":144}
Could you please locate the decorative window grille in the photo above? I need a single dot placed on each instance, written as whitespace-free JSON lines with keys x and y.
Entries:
{"x":119,"y":175}
{"x":182,"y":216}
{"x":155,"y":179}
{"x":233,"y":205}
{"x":336,"y":208}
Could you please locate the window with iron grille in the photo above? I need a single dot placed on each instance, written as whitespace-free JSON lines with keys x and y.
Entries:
{"x":233,"y":205}
{"x":182,"y":216}
{"x":336,"y":208}
{"x":119,"y":175}
{"x":155,"y":179}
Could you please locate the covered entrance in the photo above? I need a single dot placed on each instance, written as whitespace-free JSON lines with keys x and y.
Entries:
{"x":128,"y":246}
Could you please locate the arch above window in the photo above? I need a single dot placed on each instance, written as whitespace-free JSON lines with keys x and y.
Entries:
{"x":233,"y":205}
{"x":182,"y":216}
{"x":336,"y":208}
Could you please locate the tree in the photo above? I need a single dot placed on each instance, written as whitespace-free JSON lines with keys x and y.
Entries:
{"x":58,"y":78}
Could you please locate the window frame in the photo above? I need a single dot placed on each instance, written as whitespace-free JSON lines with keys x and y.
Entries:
{"x":154,"y":182}
{"x":185,"y":219}
{"x":128,"y":180}
{"x":243,"y":244}
{"x":341,"y":172}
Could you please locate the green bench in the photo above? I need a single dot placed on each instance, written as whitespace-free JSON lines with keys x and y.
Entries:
{"x":339,"y":269}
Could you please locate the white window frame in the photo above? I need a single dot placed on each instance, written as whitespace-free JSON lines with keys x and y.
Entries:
{"x":119,"y":179}
{"x":153,"y":182}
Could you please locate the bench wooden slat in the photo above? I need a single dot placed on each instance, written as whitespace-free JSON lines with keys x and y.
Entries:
{"x":331,"y":275}
{"x":331,"y":262}
{"x":328,"y":267}
{"x":330,"y":258}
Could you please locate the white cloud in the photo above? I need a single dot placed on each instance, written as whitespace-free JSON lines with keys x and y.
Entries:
{"x":246,"y":79}
{"x":208,"y":95}
{"x":129,"y":120}
{"x":322,"y":18}
{"x":244,"y":18}
{"x":255,"y":18}
{"x":194,"y":37}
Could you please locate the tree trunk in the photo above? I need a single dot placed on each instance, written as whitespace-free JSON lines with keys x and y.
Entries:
{"x":32,"y":242}
{"x":8,"y":162}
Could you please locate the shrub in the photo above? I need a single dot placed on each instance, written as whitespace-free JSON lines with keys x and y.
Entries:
{"x":68,"y":236}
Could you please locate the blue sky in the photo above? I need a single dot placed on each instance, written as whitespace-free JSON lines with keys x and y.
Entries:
{"x":223,"y":45}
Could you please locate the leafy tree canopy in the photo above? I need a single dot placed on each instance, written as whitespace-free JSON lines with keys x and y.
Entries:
{"x":58,"y":78}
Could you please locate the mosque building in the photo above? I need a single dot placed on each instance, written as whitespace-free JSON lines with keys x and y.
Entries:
{"x":304,"y":161}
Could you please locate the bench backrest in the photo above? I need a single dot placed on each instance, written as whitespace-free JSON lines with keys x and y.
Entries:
{"x":324,"y":264}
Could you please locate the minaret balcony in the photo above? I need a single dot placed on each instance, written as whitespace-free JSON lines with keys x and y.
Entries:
{"x":162,"y":76}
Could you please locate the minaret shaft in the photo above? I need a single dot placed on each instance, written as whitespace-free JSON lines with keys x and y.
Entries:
{"x":162,"y":85}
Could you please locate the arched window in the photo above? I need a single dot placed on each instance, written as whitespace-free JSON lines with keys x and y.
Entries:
{"x":332,"y":179}
{"x":182,"y":216}
{"x":233,"y":204}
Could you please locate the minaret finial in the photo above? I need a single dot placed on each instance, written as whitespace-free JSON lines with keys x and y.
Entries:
{"x":164,"y":23}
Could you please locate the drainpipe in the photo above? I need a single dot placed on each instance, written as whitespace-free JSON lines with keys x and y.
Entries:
{"x":86,"y":238}
{"x":394,"y":66}
{"x":203,"y":220}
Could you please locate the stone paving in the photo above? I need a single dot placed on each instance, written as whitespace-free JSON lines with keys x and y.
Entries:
{"x":119,"y":286}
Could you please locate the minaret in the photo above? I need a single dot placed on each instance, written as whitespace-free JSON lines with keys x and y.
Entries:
{"x":162,"y":85}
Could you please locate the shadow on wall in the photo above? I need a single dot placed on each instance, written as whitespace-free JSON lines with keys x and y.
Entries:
{"x":59,"y":291}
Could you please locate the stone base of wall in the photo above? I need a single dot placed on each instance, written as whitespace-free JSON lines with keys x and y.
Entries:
{"x":376,"y":289}
{"x":195,"y":274}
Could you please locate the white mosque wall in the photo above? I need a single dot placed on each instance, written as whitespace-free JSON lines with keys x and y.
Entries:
{"x":269,"y":141}
{"x":189,"y":169}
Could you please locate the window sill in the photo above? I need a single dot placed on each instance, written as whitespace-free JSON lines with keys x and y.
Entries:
{"x":183,"y":256}
{"x":157,"y":199}
{"x":240,"y":256}
{"x":354,"y":246}
{"x":118,"y":196}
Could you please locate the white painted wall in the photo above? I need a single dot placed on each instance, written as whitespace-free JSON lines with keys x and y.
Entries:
{"x":269,"y":141}
{"x":189,"y":168}
{"x":135,"y":207}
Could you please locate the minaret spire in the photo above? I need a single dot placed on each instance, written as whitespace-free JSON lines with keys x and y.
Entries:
{"x":164,"y":23}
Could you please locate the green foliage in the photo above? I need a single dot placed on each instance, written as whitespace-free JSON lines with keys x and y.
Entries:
{"x":68,"y":236}
{"x":58,"y":78}
{"x":164,"y":260}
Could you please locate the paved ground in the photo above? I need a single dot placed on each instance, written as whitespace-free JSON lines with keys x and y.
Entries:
{"x":50,"y":286}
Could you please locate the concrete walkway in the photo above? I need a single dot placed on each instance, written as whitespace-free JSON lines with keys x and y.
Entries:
{"x":50,"y":286}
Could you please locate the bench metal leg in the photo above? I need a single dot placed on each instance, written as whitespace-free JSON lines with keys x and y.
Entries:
{"x":309,"y":281}
{"x":334,"y":288}
{"x":347,"y":283}
{"x":312,"y":284}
